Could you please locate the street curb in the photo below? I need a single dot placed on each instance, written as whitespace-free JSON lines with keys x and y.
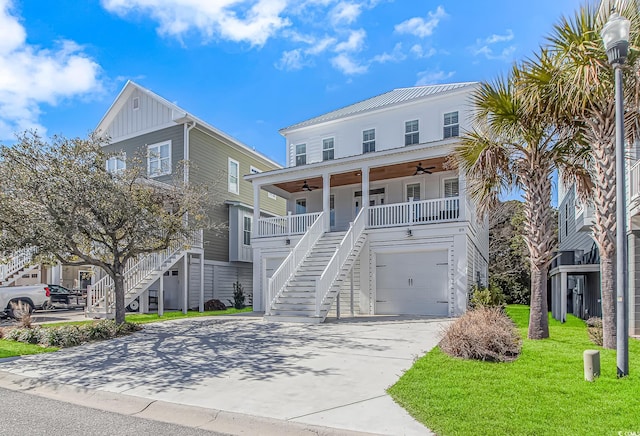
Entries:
{"x":164,"y":411}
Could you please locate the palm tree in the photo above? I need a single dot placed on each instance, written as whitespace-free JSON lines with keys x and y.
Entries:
{"x":511,"y":147}
{"x":572,"y":81}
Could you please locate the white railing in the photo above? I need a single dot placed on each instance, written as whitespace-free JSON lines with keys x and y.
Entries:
{"x":634,"y":181}
{"x":415,"y":212}
{"x":16,"y":261}
{"x":286,"y":225}
{"x":337,"y":261}
{"x":101,"y":294}
{"x":287,"y":269}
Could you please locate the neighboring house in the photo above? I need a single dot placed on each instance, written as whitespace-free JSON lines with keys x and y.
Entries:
{"x":374,"y":212}
{"x":143,"y":125}
{"x":575,"y":272}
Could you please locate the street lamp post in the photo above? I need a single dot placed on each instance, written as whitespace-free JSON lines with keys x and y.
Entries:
{"x":615,"y":35}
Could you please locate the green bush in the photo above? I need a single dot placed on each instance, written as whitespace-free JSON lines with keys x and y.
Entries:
{"x":238,"y":296}
{"x":483,"y":333}
{"x":72,"y":335}
{"x":481,"y":296}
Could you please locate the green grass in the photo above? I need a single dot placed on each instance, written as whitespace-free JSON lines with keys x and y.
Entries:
{"x":12,"y":348}
{"x":145,"y":318}
{"x":543,"y":392}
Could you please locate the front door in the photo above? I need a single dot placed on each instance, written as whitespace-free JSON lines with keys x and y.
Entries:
{"x":376,"y":197}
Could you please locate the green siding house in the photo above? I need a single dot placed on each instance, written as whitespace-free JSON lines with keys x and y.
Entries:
{"x":144,"y":128}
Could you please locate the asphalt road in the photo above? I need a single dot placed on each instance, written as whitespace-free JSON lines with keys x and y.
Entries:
{"x":24,"y":414}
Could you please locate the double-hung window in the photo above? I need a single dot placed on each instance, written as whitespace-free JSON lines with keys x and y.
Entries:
{"x":117,"y":164}
{"x":451,"y":126}
{"x":413,"y":192}
{"x":451,"y":188}
{"x":159,"y":159}
{"x":369,"y":141}
{"x":327,"y":149}
{"x":301,"y":154}
{"x":246,"y":230}
{"x":411,"y":134}
{"x":234,"y":176}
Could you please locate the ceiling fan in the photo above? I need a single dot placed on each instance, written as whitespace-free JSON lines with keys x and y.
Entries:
{"x":421,"y":170}
{"x":306,"y":187}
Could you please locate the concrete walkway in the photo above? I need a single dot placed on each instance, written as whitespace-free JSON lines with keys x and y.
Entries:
{"x":329,"y":375}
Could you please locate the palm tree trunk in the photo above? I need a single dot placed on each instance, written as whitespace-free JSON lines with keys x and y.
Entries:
{"x":539,"y":230}
{"x":608,"y":286}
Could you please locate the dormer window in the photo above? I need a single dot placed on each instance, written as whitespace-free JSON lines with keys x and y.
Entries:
{"x":451,"y":126}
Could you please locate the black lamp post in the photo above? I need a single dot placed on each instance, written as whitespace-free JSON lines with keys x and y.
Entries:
{"x":615,"y":35}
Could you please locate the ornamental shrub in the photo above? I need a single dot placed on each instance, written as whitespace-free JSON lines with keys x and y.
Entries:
{"x":483,"y":333}
{"x":594,"y":328}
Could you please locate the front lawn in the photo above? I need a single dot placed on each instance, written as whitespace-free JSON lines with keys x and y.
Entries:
{"x":543,"y":392}
{"x":13,"y":348}
{"x":144,"y":318}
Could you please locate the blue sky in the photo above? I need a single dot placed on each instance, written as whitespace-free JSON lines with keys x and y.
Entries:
{"x":248,"y":67}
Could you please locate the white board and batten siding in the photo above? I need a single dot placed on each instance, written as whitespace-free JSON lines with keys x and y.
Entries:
{"x":148,"y":115}
{"x":218,"y":282}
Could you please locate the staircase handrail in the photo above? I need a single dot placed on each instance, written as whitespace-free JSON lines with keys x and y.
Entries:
{"x":337,"y":261}
{"x":288,"y":267}
{"x":17,"y":260}
{"x":137,"y":270}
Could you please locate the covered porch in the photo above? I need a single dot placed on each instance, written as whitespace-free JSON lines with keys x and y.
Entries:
{"x":410,"y":187}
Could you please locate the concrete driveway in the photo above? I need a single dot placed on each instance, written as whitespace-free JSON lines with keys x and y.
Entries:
{"x":334,"y":374}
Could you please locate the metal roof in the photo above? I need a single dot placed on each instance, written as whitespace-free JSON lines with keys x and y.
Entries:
{"x":396,"y":96}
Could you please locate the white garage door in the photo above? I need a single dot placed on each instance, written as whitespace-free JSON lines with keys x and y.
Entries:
{"x":272,"y":264}
{"x":412,"y":283}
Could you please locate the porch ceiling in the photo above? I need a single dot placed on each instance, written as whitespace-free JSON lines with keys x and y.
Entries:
{"x":375,"y":174}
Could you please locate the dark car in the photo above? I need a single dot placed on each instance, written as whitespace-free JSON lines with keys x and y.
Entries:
{"x":63,"y":297}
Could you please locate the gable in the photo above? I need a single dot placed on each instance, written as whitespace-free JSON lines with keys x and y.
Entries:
{"x":134,"y":112}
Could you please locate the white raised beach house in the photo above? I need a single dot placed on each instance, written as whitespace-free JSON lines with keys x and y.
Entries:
{"x":377,"y":221}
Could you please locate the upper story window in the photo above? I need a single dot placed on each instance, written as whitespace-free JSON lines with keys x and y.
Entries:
{"x":234,"y":176}
{"x":117,"y":164}
{"x":451,"y":126}
{"x":327,"y":149}
{"x":413,"y":192}
{"x":301,"y":206}
{"x":159,"y":159}
{"x":368,"y":140}
{"x":411,"y":134}
{"x":246,"y":230}
{"x":136,"y":103}
{"x":301,"y":154}
{"x":451,"y":188}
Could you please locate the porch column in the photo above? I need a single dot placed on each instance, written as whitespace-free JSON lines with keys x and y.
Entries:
{"x":563,"y":296}
{"x":161,"y":296}
{"x":201,"y":306}
{"x":365,"y":187}
{"x":185,"y":284}
{"x":256,"y":209}
{"x":326,"y":204}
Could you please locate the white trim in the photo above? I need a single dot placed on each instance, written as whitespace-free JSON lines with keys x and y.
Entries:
{"x":295,"y":154}
{"x":233,"y":264}
{"x":254,"y":170}
{"x":456,"y":111}
{"x":116,"y":139}
{"x":158,"y":145}
{"x":229,"y":187}
{"x":135,"y":103}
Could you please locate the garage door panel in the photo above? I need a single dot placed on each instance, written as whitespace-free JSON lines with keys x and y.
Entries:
{"x":412,"y":283}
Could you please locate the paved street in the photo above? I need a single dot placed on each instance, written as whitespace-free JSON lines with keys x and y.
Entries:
{"x":31,"y":415}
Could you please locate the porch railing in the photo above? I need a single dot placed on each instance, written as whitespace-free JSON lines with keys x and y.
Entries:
{"x":286,"y":225}
{"x":337,"y":261}
{"x":415,"y":212}
{"x":285,"y":271}
{"x":16,"y":261}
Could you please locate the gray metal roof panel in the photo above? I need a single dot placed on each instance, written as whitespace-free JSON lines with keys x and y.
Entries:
{"x":396,"y":96}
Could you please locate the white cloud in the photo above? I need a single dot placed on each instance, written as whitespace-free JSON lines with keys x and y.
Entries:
{"x":31,"y":76}
{"x":321,"y":46}
{"x":396,"y":55}
{"x":347,"y":65}
{"x":432,"y":77}
{"x":354,"y":43}
{"x":420,"y":27}
{"x":291,"y":60}
{"x":225,"y":19}
{"x":345,"y":13}
{"x":486,"y":47}
{"x":418,"y":51}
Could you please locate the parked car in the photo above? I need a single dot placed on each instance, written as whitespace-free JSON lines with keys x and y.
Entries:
{"x":15,"y":301}
{"x":63,"y":297}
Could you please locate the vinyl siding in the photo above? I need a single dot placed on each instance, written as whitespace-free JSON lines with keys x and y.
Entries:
{"x":218,"y":283}
{"x":136,"y":148}
{"x":570,"y":239}
{"x":150,"y":114}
